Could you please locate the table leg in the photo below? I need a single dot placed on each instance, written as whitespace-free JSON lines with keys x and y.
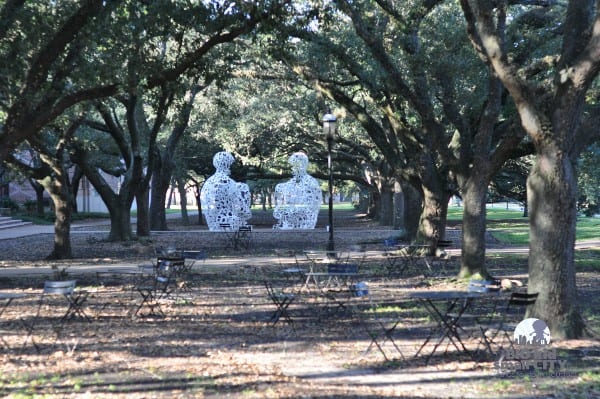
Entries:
{"x":447,"y":327}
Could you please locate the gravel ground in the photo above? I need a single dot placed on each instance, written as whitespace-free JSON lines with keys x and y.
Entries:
{"x":216,"y":340}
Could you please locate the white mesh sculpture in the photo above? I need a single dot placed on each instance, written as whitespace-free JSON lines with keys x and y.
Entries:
{"x":298,"y":200}
{"x":225,"y":202}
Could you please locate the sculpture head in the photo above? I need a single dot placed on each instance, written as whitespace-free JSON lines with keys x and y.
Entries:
{"x":299,"y":163}
{"x":222,"y":161}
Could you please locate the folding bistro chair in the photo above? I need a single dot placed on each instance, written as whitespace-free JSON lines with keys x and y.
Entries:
{"x":154,"y":288}
{"x":192,"y":257}
{"x":481,"y":311}
{"x":243,"y":237}
{"x":380,"y":321}
{"x":281,"y":300}
{"x":293,"y":273}
{"x":184,"y":274}
{"x":75,"y":301}
{"x":338,"y":287}
{"x":506,"y":321}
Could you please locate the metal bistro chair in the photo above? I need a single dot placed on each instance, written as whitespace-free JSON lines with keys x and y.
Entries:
{"x":506,"y":321}
{"x":379,"y":321}
{"x":281,"y":300}
{"x":75,"y":301}
{"x":184,"y":273}
{"x":155,"y":288}
{"x":292,"y":271}
{"x":481,"y":311}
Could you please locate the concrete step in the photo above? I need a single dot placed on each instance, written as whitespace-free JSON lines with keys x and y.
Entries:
{"x":9,"y":223}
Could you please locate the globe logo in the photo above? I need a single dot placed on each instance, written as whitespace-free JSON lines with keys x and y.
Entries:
{"x":532,"y":332}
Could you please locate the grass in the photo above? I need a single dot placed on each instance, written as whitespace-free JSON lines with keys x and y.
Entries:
{"x":588,"y":260}
{"x":456,"y":213}
{"x":511,"y":228}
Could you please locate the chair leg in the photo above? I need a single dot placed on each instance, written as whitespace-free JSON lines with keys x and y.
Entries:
{"x":29,"y":327}
{"x":150,"y":301}
{"x":282,"y":311}
{"x":76,"y":308}
{"x":386,"y":334}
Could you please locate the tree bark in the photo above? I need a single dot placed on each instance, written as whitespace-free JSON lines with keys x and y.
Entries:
{"x":399,"y":208}
{"x":551,"y":189}
{"x":39,"y":197}
{"x":374,"y":203}
{"x":120,"y":221}
{"x":59,"y":190}
{"x":386,"y":206}
{"x":75,"y":182}
{"x":414,"y":207}
{"x":62,"y":227}
{"x":432,"y":224}
{"x":161,"y":179}
{"x":143,"y":215}
{"x":183,"y":203}
{"x":474,"y":193}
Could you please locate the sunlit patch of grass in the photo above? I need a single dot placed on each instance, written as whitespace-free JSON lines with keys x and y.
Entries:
{"x":412,"y":311}
{"x":588,"y":229}
{"x":511,"y":237}
{"x":456,"y":213}
{"x":510,"y":231}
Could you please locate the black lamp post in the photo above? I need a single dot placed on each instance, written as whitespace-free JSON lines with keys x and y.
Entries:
{"x":329,"y":126}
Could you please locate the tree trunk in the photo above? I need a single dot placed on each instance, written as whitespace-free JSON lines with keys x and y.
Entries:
{"x":399,"y":208}
{"x":183,"y":201}
{"x":373,"y":208}
{"x":143,"y":215}
{"x":386,"y":206}
{"x":160,"y":185}
{"x":414,"y":206}
{"x":63,"y":217}
{"x":263,"y":200}
{"x":197,"y":188}
{"x":75,"y":182}
{"x":39,"y":198}
{"x":433,"y":218}
{"x":474,"y":227}
{"x":552,"y":193}
{"x":120,"y":222}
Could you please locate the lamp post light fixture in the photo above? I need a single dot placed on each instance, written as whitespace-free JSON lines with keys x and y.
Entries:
{"x":329,"y":126}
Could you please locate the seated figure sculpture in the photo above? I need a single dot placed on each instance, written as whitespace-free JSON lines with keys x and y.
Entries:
{"x":225,"y":202}
{"x":298,"y":200}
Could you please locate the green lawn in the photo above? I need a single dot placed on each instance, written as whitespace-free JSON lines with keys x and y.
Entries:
{"x":510,"y":227}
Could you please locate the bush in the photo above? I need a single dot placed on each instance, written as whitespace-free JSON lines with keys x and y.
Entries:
{"x":30,"y":205}
{"x":7,"y":202}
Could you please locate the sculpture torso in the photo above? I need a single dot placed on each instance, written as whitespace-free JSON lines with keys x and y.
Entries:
{"x":224,"y":201}
{"x":298,"y":200}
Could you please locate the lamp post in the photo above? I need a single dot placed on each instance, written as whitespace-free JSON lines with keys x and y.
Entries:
{"x":329,"y":126}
